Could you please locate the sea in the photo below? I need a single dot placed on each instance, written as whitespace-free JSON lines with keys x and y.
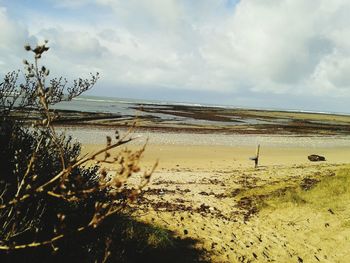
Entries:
{"x":126,"y":107}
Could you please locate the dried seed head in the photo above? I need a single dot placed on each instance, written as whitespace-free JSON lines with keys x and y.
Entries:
{"x":38,"y":49}
{"x":61,"y":217}
{"x":118,"y":183}
{"x":27,"y":47}
{"x":103,"y":173}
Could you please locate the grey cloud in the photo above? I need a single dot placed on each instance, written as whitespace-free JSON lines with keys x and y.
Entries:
{"x":109,"y":35}
{"x":295,"y":70}
{"x":282,"y":49}
{"x":74,"y":44}
{"x":13,"y":36}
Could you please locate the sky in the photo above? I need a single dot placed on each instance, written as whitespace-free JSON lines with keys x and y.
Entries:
{"x":288,"y":54}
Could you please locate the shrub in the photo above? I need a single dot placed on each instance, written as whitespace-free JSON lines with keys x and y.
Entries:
{"x":49,"y":201}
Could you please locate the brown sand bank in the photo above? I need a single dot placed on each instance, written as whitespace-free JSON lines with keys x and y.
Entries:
{"x":212,"y":193}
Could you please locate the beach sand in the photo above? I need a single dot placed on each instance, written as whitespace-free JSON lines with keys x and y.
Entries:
{"x":198,"y":191}
{"x":211,"y":158}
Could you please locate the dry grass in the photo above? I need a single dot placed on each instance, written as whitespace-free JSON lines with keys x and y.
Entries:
{"x":332,"y":191}
{"x":68,"y":185}
{"x":308,"y":225}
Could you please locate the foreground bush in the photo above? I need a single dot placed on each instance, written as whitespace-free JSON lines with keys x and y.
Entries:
{"x":51,"y":203}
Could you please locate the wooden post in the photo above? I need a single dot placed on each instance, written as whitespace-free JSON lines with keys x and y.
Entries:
{"x":257,"y":157}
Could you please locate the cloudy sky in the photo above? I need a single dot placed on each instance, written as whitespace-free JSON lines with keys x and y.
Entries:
{"x":292,"y":54}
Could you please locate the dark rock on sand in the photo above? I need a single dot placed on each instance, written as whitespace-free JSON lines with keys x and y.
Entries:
{"x":316,"y":158}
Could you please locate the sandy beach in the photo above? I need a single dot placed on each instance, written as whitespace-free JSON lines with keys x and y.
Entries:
{"x":206,"y":188}
{"x":230,"y":157}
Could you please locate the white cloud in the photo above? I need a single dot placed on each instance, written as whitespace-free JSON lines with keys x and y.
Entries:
{"x":13,"y":36}
{"x":277,"y":46}
{"x":289,"y":47}
{"x":274,"y":46}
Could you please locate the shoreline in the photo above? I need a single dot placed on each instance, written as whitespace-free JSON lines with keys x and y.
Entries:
{"x":219,"y":149}
{"x":242,"y":130}
{"x":197,"y":119}
{"x":220,"y":158}
{"x":98,"y":136}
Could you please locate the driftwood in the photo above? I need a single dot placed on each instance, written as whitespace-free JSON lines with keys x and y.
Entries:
{"x":316,"y":158}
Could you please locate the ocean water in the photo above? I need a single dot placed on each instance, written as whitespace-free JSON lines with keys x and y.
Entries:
{"x":125,"y":107}
{"x":99,"y":104}
{"x":129,"y":108}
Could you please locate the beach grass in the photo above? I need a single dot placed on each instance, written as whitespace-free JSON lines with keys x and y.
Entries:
{"x":331,"y":192}
{"x":310,"y":225}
